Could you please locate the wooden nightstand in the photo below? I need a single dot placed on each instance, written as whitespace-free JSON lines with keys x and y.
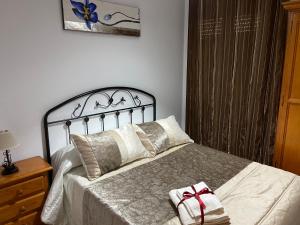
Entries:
{"x":22,"y":194}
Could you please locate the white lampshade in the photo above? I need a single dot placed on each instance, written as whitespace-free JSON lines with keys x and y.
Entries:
{"x":7,"y":141}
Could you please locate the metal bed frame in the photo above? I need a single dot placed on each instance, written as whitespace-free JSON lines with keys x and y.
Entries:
{"x":108,"y":107}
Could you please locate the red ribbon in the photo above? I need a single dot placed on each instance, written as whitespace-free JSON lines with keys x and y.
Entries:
{"x":187,"y":195}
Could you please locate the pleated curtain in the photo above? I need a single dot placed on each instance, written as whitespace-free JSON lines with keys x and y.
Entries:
{"x":235,"y":62}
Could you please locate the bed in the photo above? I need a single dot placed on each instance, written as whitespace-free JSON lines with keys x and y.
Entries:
{"x":137,"y":193}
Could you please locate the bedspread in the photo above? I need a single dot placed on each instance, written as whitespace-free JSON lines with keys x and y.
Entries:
{"x":260,"y":195}
{"x":140,"y":195}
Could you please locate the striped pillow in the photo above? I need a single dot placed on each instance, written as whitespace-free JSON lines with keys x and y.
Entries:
{"x":103,"y":152}
{"x":162,"y":134}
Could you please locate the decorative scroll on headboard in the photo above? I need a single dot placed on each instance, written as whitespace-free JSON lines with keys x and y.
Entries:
{"x":96,"y":111}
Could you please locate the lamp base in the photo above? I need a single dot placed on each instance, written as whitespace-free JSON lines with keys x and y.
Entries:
{"x":9,"y":170}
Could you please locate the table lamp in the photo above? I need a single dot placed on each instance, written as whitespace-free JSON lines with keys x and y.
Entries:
{"x":7,"y":142}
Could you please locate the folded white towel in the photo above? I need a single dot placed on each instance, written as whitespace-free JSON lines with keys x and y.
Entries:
{"x":212,"y":217}
{"x":211,"y":201}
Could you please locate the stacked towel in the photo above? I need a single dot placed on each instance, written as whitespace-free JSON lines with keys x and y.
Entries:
{"x":189,"y":210}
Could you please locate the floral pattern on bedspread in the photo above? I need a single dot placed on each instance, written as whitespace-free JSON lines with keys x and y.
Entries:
{"x":140,"y":195}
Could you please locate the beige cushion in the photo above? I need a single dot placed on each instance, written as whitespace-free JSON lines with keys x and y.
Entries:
{"x":162,"y":134}
{"x":108,"y":150}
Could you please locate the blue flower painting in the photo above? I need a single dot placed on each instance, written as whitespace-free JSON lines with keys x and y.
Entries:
{"x":86,"y":12}
{"x":101,"y":17}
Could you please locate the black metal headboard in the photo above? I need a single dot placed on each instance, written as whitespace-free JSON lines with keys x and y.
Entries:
{"x":98,"y":104}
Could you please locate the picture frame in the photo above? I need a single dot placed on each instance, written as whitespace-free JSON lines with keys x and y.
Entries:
{"x":101,"y":17}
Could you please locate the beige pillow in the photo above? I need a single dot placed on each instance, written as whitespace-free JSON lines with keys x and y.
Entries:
{"x":160,"y":135}
{"x":108,"y":150}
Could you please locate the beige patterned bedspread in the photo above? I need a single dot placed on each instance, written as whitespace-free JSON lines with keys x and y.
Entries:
{"x":252,"y":193}
{"x":140,"y":196}
{"x":260,"y":195}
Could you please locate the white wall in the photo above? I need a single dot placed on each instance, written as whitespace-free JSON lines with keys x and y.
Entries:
{"x":42,"y":65}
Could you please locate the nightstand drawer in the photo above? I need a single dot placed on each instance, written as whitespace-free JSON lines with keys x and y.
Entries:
{"x":20,"y":208}
{"x":19,"y":191}
{"x":30,"y":219}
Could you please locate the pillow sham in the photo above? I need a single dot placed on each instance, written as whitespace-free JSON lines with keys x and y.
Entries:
{"x":160,"y":135}
{"x":106,"y":151}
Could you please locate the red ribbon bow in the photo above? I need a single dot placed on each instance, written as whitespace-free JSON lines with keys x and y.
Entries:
{"x":187,"y":195}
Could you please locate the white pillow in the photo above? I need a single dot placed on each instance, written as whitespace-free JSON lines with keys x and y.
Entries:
{"x":176,"y":135}
{"x":66,"y":153}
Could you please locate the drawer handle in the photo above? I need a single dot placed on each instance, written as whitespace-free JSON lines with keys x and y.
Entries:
{"x":23,"y":209}
{"x":20,"y":192}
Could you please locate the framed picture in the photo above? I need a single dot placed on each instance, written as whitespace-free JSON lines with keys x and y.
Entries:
{"x":101,"y":17}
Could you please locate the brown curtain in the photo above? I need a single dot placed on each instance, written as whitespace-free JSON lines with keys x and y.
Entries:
{"x":235,"y":61}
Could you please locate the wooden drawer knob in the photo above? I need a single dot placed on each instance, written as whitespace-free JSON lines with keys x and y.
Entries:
{"x":20,"y":192}
{"x":23,"y":209}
